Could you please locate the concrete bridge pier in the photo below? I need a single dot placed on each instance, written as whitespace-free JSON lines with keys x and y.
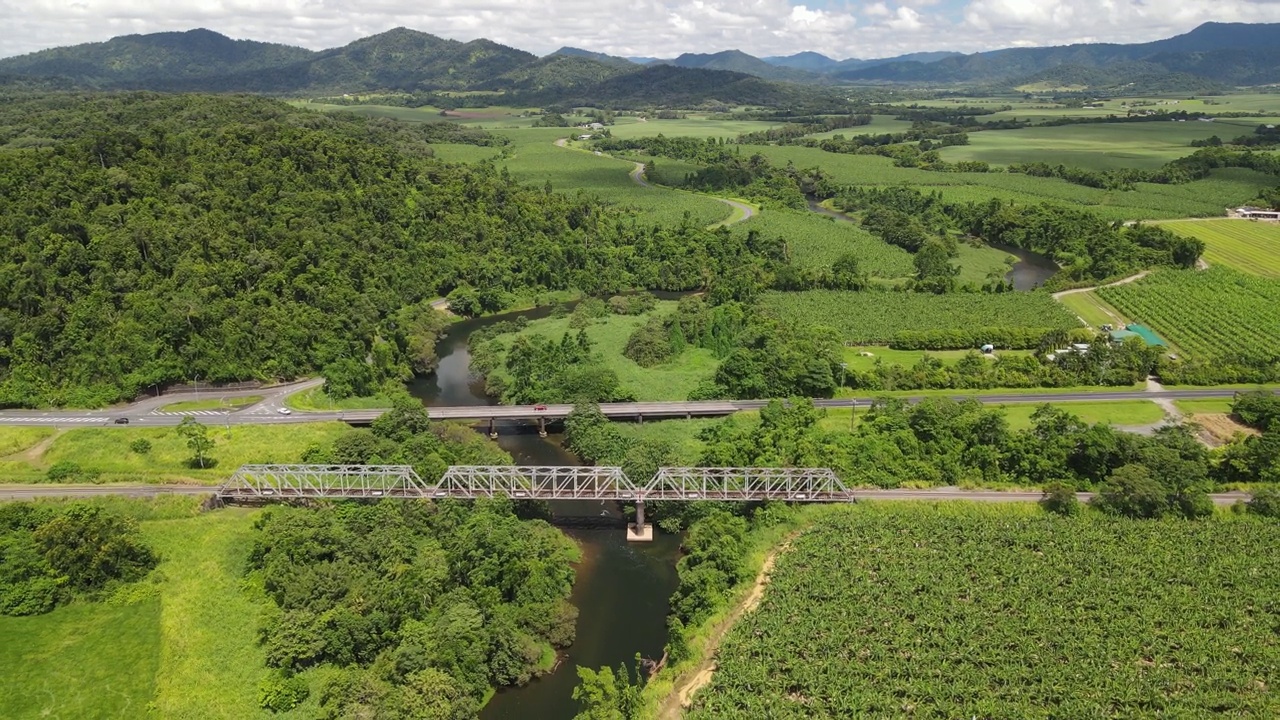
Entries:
{"x":493,"y":430}
{"x":639,"y":532}
{"x":542,"y":427}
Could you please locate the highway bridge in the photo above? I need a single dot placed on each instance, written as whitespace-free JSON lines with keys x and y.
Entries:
{"x":271,"y":410}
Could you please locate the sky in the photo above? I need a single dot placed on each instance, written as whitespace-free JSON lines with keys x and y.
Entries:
{"x":657,"y":28}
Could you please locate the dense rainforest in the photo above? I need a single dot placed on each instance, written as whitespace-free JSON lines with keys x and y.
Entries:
{"x":148,"y":239}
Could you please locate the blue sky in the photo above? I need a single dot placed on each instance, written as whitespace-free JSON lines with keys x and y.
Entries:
{"x":662,"y":28}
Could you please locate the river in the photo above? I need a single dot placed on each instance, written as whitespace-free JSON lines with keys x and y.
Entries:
{"x":1028,"y":273}
{"x":621,"y":589}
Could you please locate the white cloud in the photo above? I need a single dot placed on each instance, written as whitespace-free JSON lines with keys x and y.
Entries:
{"x":662,"y":28}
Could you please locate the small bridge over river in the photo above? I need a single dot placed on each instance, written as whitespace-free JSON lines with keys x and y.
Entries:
{"x":275,"y":483}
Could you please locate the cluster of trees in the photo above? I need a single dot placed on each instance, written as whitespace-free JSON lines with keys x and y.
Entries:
{"x":1264,"y":137}
{"x":693,"y":324}
{"x":166,"y":237}
{"x":53,"y":553}
{"x":1196,"y":166}
{"x":1255,"y":458}
{"x":419,"y":607}
{"x":798,"y":127}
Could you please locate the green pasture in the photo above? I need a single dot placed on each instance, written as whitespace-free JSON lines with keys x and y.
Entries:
{"x":1248,"y":246}
{"x":106,"y":451}
{"x":1200,"y":407}
{"x":1147,"y":145}
{"x":670,"y":381}
{"x":880,"y":124}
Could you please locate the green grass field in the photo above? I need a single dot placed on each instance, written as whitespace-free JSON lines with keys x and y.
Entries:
{"x":857,"y":360}
{"x":537,"y":160}
{"x":670,"y":381}
{"x":1092,"y":309}
{"x":182,"y":644}
{"x":694,"y":125}
{"x":215,"y":403}
{"x":1111,"y":412}
{"x":1193,"y":407}
{"x":815,"y":240}
{"x":16,"y":438}
{"x":1247,"y":246}
{"x":463,"y":153}
{"x":106,"y":451}
{"x":1145,"y":145}
{"x":316,"y":400}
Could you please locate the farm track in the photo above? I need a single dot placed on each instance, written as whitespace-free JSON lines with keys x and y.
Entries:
{"x":1102,"y":306}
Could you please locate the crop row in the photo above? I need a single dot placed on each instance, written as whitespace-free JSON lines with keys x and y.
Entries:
{"x":958,"y":612}
{"x":1215,"y":313}
{"x":813,"y":240}
{"x":876,"y":317}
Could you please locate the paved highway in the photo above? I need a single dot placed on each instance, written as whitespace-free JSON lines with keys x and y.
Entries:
{"x":28,"y":492}
{"x":148,"y":413}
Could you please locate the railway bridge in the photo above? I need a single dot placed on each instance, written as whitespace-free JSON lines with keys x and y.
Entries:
{"x":276,"y":483}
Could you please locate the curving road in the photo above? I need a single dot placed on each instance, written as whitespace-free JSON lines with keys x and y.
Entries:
{"x":637,"y":174}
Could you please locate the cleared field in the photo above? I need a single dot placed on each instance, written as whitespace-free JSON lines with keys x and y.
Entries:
{"x":959,"y":610}
{"x":1248,"y":246}
{"x":1109,"y":146}
{"x":107,"y":451}
{"x":701,"y":126}
{"x":875,"y":317}
{"x":1208,"y":313}
{"x":669,"y":381}
{"x":1092,"y":310}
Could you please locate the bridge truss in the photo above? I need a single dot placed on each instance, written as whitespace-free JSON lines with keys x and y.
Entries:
{"x":263,"y":483}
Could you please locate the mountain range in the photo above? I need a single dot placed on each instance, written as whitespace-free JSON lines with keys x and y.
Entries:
{"x":1209,"y":57}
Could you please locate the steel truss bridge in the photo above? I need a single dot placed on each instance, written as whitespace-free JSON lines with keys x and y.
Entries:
{"x":270,"y":483}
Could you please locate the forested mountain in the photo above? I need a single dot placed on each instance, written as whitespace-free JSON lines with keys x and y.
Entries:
{"x":684,"y":87}
{"x":738,"y":61}
{"x":158,"y":237}
{"x":1224,"y":52}
{"x":1136,"y":78}
{"x":597,"y":56}
{"x":808,"y":61}
{"x":552,"y":76}
{"x":138,"y":59}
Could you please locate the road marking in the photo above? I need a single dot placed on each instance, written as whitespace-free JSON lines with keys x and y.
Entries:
{"x":205,"y":413}
{"x":50,"y":419}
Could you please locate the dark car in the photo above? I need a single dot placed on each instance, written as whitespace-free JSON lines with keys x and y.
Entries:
{"x":122,"y":421}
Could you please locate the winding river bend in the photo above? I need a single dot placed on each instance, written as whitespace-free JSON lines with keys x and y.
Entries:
{"x":1028,"y":273}
{"x":621,"y":590}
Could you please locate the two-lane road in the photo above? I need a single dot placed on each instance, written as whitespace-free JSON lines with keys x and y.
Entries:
{"x":268,"y":411}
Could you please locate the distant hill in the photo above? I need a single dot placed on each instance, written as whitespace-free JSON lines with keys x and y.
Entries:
{"x":556,"y":74}
{"x":738,"y":61}
{"x":137,"y":59}
{"x":675,"y":86}
{"x":1138,"y":78}
{"x":808,"y":61}
{"x":597,"y":56}
{"x":1219,"y":52}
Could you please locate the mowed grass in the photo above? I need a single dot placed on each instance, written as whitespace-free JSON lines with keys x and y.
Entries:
{"x":670,"y":381}
{"x":215,"y":403}
{"x":1146,"y":145}
{"x":107,"y":451}
{"x":16,"y":438}
{"x":1092,"y":309}
{"x":1206,"y":406}
{"x":1248,"y":246}
{"x":87,"y":660}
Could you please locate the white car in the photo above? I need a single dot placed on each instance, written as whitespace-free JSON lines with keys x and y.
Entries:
{"x":284,"y":411}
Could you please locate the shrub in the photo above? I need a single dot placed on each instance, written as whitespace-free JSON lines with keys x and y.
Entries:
{"x":1265,"y":502}
{"x":1060,"y":499}
{"x":279,"y":693}
{"x":141,"y":446}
